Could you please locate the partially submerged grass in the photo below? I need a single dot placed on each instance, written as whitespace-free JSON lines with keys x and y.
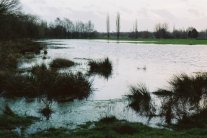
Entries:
{"x":47,"y":82}
{"x":42,"y":81}
{"x":61,"y":63}
{"x":11,"y":51}
{"x":46,"y":111}
{"x":197,"y":120}
{"x":184,"y":97}
{"x":102,"y":67}
{"x":140,"y":100}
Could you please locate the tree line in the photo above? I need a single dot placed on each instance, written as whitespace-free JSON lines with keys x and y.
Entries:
{"x":15,"y":24}
{"x":161,"y":32}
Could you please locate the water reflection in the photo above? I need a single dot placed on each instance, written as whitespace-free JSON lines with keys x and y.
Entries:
{"x":185,"y":98}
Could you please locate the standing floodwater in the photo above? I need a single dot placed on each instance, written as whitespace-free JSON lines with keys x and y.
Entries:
{"x":132,"y":64}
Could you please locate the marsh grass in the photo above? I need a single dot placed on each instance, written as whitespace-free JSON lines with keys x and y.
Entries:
{"x":46,"y":111}
{"x":102,"y":67}
{"x":140,"y":100}
{"x":47,"y":82}
{"x":12,"y":51}
{"x":183,"y":98}
{"x":61,"y":63}
{"x":197,"y":120}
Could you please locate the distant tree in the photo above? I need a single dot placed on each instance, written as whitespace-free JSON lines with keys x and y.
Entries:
{"x":161,"y":30}
{"x":108,"y":26}
{"x":192,"y":33}
{"x":118,"y":27}
{"x":136,"y":29}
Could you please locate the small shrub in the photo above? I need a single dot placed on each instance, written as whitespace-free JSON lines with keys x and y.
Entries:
{"x":61,"y":63}
{"x":103,"y":68}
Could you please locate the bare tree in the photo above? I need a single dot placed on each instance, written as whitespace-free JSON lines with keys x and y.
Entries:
{"x":108,"y":26}
{"x":9,"y":6}
{"x":161,"y":30}
{"x":136,"y":29}
{"x":118,"y":25}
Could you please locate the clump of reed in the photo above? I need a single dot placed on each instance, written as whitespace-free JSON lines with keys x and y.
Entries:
{"x":61,"y":63}
{"x":140,"y":100}
{"x":197,"y":120}
{"x":183,"y":97}
{"x":47,"y":110}
{"x":102,"y":67}
{"x":44,"y":81}
{"x":11,"y":51}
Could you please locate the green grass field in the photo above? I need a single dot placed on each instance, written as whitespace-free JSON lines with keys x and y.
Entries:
{"x":163,"y":41}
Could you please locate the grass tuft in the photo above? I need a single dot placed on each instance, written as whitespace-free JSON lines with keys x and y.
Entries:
{"x":103,"y":68}
{"x":61,"y":63}
{"x":140,"y":100}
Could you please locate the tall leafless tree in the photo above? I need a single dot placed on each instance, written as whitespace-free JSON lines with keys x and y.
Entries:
{"x":118,"y":27}
{"x":108,"y":26}
{"x":136,"y":29}
{"x":9,"y":6}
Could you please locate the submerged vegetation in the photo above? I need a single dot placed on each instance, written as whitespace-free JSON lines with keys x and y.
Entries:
{"x":61,"y":63}
{"x":103,"y":68}
{"x":47,"y":110}
{"x":46,"y":82}
{"x":140,"y":100}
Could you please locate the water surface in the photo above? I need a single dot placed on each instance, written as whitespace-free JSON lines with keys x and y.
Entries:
{"x":149,"y":64}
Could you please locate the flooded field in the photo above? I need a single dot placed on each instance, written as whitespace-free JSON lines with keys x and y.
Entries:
{"x":132,"y":64}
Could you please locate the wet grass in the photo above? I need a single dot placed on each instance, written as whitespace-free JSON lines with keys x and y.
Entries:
{"x":119,"y":129}
{"x":140,"y":100}
{"x":61,"y":63}
{"x":101,"y":67}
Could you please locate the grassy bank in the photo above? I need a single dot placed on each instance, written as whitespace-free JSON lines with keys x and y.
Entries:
{"x":113,"y":128}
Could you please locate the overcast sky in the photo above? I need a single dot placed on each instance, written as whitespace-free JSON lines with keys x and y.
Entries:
{"x":178,"y":13}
